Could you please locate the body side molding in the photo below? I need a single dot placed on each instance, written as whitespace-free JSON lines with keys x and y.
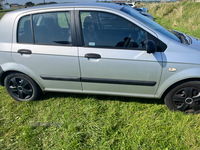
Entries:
{"x":100,"y":80}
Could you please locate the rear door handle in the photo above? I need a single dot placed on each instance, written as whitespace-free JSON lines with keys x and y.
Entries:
{"x":92,"y":55}
{"x":24,"y":51}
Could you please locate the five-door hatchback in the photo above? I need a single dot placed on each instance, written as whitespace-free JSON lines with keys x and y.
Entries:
{"x":97,"y":48}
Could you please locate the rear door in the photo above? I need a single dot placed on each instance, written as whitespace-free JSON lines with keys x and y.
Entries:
{"x":113,"y":59}
{"x":44,"y":48}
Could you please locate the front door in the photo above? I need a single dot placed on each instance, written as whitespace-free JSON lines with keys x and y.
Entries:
{"x":114,"y":58}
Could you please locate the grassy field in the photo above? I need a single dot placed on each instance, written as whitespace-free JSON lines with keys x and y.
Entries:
{"x":182,"y":16}
{"x":75,"y":121}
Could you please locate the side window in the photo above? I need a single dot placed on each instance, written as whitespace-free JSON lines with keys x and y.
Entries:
{"x":52,"y":28}
{"x":24,"y":34}
{"x":108,"y":30}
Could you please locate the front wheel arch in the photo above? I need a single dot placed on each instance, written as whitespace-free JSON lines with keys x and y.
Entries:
{"x":176,"y":84}
{"x":184,"y":96}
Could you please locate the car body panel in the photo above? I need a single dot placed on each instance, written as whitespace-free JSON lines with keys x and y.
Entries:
{"x":185,"y":67}
{"x":195,"y":42}
{"x":182,"y":73}
{"x":188,"y":54}
{"x":121,"y":65}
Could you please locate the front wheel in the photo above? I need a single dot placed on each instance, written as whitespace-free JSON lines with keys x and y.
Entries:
{"x":184,"y":97}
{"x":21,"y":87}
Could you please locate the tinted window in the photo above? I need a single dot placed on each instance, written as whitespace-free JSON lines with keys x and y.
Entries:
{"x":24,"y":34}
{"x":52,"y":28}
{"x":108,"y":30}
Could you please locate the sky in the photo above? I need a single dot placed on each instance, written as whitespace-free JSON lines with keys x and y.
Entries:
{"x":42,"y":1}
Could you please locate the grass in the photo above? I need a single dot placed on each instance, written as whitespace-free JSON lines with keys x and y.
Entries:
{"x":3,"y":12}
{"x":75,"y":121}
{"x":182,"y":16}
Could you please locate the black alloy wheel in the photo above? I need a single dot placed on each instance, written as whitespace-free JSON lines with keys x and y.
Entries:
{"x":185,"y":97}
{"x":21,"y":87}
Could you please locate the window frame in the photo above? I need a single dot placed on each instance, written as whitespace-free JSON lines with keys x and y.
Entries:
{"x":72,"y":28}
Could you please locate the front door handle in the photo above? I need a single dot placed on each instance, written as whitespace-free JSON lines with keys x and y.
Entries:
{"x":24,"y":51}
{"x":92,"y":55}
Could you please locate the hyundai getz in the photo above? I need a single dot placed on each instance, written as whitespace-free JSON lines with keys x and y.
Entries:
{"x":97,"y":48}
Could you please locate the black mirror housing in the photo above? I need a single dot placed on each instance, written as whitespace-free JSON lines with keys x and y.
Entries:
{"x":151,"y":46}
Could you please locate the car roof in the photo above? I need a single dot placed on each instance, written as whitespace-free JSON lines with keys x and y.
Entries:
{"x":68,"y":5}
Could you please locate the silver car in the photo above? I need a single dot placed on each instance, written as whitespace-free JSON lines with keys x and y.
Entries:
{"x":97,"y":48}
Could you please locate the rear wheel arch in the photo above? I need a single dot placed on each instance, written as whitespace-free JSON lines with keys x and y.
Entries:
{"x":5,"y":74}
{"x":21,"y":87}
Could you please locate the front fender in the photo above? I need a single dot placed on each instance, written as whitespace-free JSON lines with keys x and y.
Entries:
{"x":175,"y":77}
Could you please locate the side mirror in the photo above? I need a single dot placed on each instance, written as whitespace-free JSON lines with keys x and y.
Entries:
{"x":151,"y":46}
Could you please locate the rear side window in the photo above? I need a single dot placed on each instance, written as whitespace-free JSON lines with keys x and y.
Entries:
{"x":52,"y":28}
{"x":24,"y":34}
{"x":47,"y":28}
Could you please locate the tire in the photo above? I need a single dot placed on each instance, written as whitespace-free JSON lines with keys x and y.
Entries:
{"x":21,"y":87}
{"x":184,"y":97}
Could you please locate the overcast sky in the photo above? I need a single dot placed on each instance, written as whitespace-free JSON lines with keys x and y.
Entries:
{"x":42,"y":1}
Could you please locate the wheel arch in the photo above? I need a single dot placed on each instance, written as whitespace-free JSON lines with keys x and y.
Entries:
{"x":5,"y":74}
{"x":15,"y":68}
{"x":176,"y":84}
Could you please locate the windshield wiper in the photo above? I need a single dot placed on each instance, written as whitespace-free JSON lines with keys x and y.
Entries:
{"x":183,"y":37}
{"x":189,"y":39}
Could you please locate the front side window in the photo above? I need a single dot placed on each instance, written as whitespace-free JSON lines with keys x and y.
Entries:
{"x":24,"y":33}
{"x":108,"y":30}
{"x":52,"y":28}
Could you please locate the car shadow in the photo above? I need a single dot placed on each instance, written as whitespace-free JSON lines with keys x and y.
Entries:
{"x":50,"y":95}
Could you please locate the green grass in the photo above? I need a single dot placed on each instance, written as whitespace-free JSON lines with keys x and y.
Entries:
{"x":182,"y":16}
{"x":3,"y":12}
{"x":75,"y":121}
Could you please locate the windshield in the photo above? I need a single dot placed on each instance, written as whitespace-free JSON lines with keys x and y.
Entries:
{"x":150,"y":23}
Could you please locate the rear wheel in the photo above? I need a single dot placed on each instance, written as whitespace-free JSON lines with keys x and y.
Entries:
{"x":21,"y":87}
{"x":184,"y":97}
